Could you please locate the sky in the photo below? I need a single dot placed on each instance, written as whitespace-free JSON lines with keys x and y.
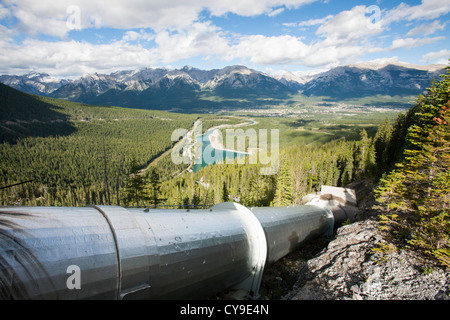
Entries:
{"x":69,"y":38}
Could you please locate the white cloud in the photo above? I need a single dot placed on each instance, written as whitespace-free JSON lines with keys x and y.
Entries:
{"x":348,"y":25}
{"x":427,"y":10}
{"x":131,"y":36}
{"x":314,"y":22}
{"x":345,"y":37}
{"x":156,"y":32}
{"x":172,"y":27}
{"x":427,"y":28}
{"x":34,"y":23}
{"x":4,"y":12}
{"x":72,"y":58}
{"x":199,"y":39}
{"x":329,"y":55}
{"x":271,"y":50}
{"x":278,"y":50}
{"x":439,"y":57}
{"x":351,"y":34}
{"x":275,"y":12}
{"x":308,"y":23}
{"x":249,"y":8}
{"x":76,"y":58}
{"x":49,"y":17}
{"x":413,"y":42}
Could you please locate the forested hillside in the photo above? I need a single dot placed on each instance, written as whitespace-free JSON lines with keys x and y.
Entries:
{"x":99,"y":160}
{"x":23,"y":115}
{"x":77,"y":154}
{"x":415,"y":195}
{"x":302,"y":169}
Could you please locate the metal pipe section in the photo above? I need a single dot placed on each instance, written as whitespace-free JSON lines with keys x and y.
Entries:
{"x":287,"y":228}
{"x":105,"y":252}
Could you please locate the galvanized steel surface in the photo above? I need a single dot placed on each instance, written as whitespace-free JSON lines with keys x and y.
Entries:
{"x":287,"y":228}
{"x":37,"y":245}
{"x":201,"y":252}
{"x":146,"y":254}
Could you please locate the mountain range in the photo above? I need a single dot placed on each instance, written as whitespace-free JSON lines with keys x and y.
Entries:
{"x":191,"y":88}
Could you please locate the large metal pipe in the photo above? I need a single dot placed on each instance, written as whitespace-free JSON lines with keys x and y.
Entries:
{"x":287,"y":228}
{"x":118,"y":253}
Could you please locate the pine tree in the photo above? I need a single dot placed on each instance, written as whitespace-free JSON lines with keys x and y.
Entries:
{"x":135,"y":193}
{"x":345,"y":164}
{"x":362,"y":156}
{"x":225,"y":195}
{"x":396,"y":144}
{"x":381,"y":142}
{"x":196,"y":199}
{"x":155,"y":188}
{"x":417,"y":192}
{"x":259,"y":191}
{"x":284,"y":191}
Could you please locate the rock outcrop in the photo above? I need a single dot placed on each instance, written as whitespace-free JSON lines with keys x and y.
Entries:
{"x":351,"y":267}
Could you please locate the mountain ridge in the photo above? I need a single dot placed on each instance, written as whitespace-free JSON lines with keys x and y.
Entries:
{"x":162,"y":88}
{"x":354,"y":82}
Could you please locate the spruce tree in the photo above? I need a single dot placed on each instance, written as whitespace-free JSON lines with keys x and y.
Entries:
{"x":155,"y":188}
{"x":417,"y":193}
{"x":284,"y":191}
{"x":363,"y":156}
{"x":225,"y":195}
{"x":135,"y":193}
{"x":381,"y":143}
{"x":345,"y":164}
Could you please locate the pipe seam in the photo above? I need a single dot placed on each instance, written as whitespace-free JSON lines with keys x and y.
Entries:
{"x":258,"y":242}
{"x":113,"y":232}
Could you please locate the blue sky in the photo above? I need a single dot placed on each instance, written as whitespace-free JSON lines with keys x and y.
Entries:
{"x":67,"y":38}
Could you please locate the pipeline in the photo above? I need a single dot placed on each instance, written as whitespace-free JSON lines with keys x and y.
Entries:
{"x":107,"y":252}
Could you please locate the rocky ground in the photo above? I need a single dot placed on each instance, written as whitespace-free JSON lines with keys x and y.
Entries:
{"x":352,"y":267}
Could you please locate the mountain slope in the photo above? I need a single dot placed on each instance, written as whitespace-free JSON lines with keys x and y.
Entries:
{"x":23,"y":115}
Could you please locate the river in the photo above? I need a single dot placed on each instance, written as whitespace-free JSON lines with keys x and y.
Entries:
{"x":212,"y":155}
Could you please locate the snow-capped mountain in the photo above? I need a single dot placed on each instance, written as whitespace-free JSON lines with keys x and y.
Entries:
{"x":297,"y":79}
{"x":360,"y":81}
{"x":382,"y":63}
{"x":242,"y":80}
{"x":162,"y":88}
{"x":34,"y":83}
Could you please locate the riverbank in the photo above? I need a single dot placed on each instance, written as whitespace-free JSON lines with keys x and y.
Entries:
{"x":214,"y":140}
